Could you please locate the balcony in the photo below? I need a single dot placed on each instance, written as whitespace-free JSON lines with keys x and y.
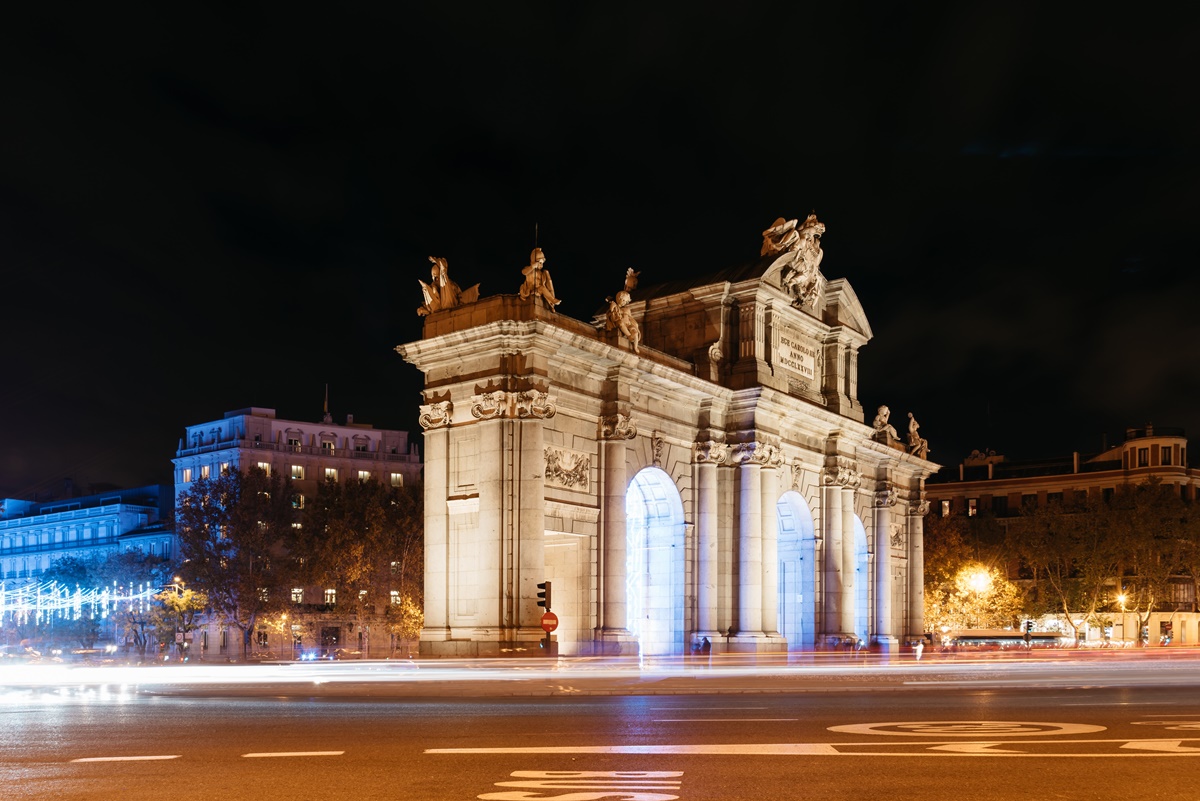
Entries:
{"x":329,"y":453}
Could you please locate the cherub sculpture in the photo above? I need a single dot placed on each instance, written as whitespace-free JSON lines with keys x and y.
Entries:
{"x":619,"y":316}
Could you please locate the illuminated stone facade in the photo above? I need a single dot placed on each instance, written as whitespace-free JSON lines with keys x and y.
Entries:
{"x":718,"y":482}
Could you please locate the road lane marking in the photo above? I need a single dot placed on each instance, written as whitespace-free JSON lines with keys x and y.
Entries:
{"x":992,"y":748}
{"x":293,"y":754}
{"x":732,"y":748}
{"x":126,"y":758}
{"x":967,"y":728}
{"x":719,"y":720}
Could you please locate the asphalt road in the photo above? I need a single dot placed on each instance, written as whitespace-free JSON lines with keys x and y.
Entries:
{"x":1122,"y":730}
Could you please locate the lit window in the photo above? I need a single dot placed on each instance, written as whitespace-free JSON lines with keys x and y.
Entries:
{"x":187,"y":474}
{"x":297,"y":526}
{"x":362,"y":594}
{"x":297,"y":501}
{"x":331,"y":474}
{"x":945,"y":508}
{"x":224,"y":467}
{"x":331,"y":596}
{"x":204,"y":471}
{"x":364,"y":475}
{"x":395,"y":597}
{"x":265,"y":467}
{"x":294,"y":443}
{"x":262,"y":594}
{"x":262,"y":638}
{"x":397,"y":479}
{"x":327,"y":445}
{"x":298,"y":471}
{"x":297,"y":595}
{"x":972,"y":507}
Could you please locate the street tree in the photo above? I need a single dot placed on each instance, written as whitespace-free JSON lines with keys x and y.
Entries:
{"x":365,"y":539}
{"x":1073,"y":555}
{"x":235,"y":534}
{"x":174,"y":617}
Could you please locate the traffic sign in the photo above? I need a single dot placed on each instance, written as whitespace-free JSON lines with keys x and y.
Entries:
{"x":549,"y":622}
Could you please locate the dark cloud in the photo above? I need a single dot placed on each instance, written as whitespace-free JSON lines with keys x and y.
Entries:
{"x":207,"y":211}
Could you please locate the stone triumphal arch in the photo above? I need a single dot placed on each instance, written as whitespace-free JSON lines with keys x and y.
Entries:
{"x":692,"y":463}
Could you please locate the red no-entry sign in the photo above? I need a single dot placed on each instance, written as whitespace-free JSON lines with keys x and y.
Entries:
{"x":549,"y":622}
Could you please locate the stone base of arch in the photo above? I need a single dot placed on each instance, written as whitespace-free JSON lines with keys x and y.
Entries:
{"x":613,"y":642}
{"x":753,"y":644}
{"x":888,"y":644}
{"x":476,"y":642}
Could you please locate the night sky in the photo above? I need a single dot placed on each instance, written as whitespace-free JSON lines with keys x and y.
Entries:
{"x":209,"y":211}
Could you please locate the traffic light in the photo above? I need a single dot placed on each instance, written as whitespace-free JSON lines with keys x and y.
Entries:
{"x":544,"y":595}
{"x":1028,"y":626}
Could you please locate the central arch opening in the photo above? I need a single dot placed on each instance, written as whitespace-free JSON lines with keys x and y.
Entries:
{"x":797,"y":571}
{"x":654,"y":569}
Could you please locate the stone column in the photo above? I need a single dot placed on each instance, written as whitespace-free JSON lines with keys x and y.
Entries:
{"x":614,"y":431}
{"x":749,"y":541}
{"x":849,"y":574}
{"x":707,"y":456}
{"x":435,"y":419}
{"x":885,"y":636}
{"x":831,"y":532}
{"x":916,"y":567}
{"x":770,"y":542}
{"x":529,"y":530}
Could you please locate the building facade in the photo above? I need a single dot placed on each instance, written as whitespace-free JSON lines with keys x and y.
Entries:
{"x":986,"y":483}
{"x":35,"y":534}
{"x":308,"y":453}
{"x":691,"y":464}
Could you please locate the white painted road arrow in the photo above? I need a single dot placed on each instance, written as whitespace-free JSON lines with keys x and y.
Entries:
{"x":1170,"y":746}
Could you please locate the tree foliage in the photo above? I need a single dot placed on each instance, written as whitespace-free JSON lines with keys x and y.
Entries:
{"x":366,"y":540}
{"x":235,"y":533}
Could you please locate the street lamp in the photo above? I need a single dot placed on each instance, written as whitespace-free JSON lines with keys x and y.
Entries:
{"x":1121,"y":600}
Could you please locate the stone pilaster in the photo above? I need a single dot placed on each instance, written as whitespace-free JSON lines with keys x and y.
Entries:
{"x":435,"y":419}
{"x":707,"y":456}
{"x":885,"y":502}
{"x":916,"y":567}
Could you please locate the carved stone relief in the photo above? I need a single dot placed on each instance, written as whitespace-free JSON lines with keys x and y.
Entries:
{"x":897,"y":537}
{"x":528,"y":403}
{"x":567,"y":468}
{"x":657,"y":443}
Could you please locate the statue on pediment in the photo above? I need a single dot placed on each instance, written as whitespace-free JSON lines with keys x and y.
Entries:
{"x":801,"y":276}
{"x":441,"y":293}
{"x":537,"y":280}
{"x":619,"y":316}
{"x":918,"y":446}
{"x":781,"y":237}
{"x":885,"y":432}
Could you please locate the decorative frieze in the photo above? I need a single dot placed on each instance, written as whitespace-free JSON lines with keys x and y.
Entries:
{"x":528,"y":403}
{"x":764,"y":454}
{"x":567,"y":468}
{"x":435,"y":415}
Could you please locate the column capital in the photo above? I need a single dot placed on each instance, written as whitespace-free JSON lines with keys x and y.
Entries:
{"x":710,"y":452}
{"x":436,"y":415}
{"x":617,"y":426}
{"x":843,"y":471}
